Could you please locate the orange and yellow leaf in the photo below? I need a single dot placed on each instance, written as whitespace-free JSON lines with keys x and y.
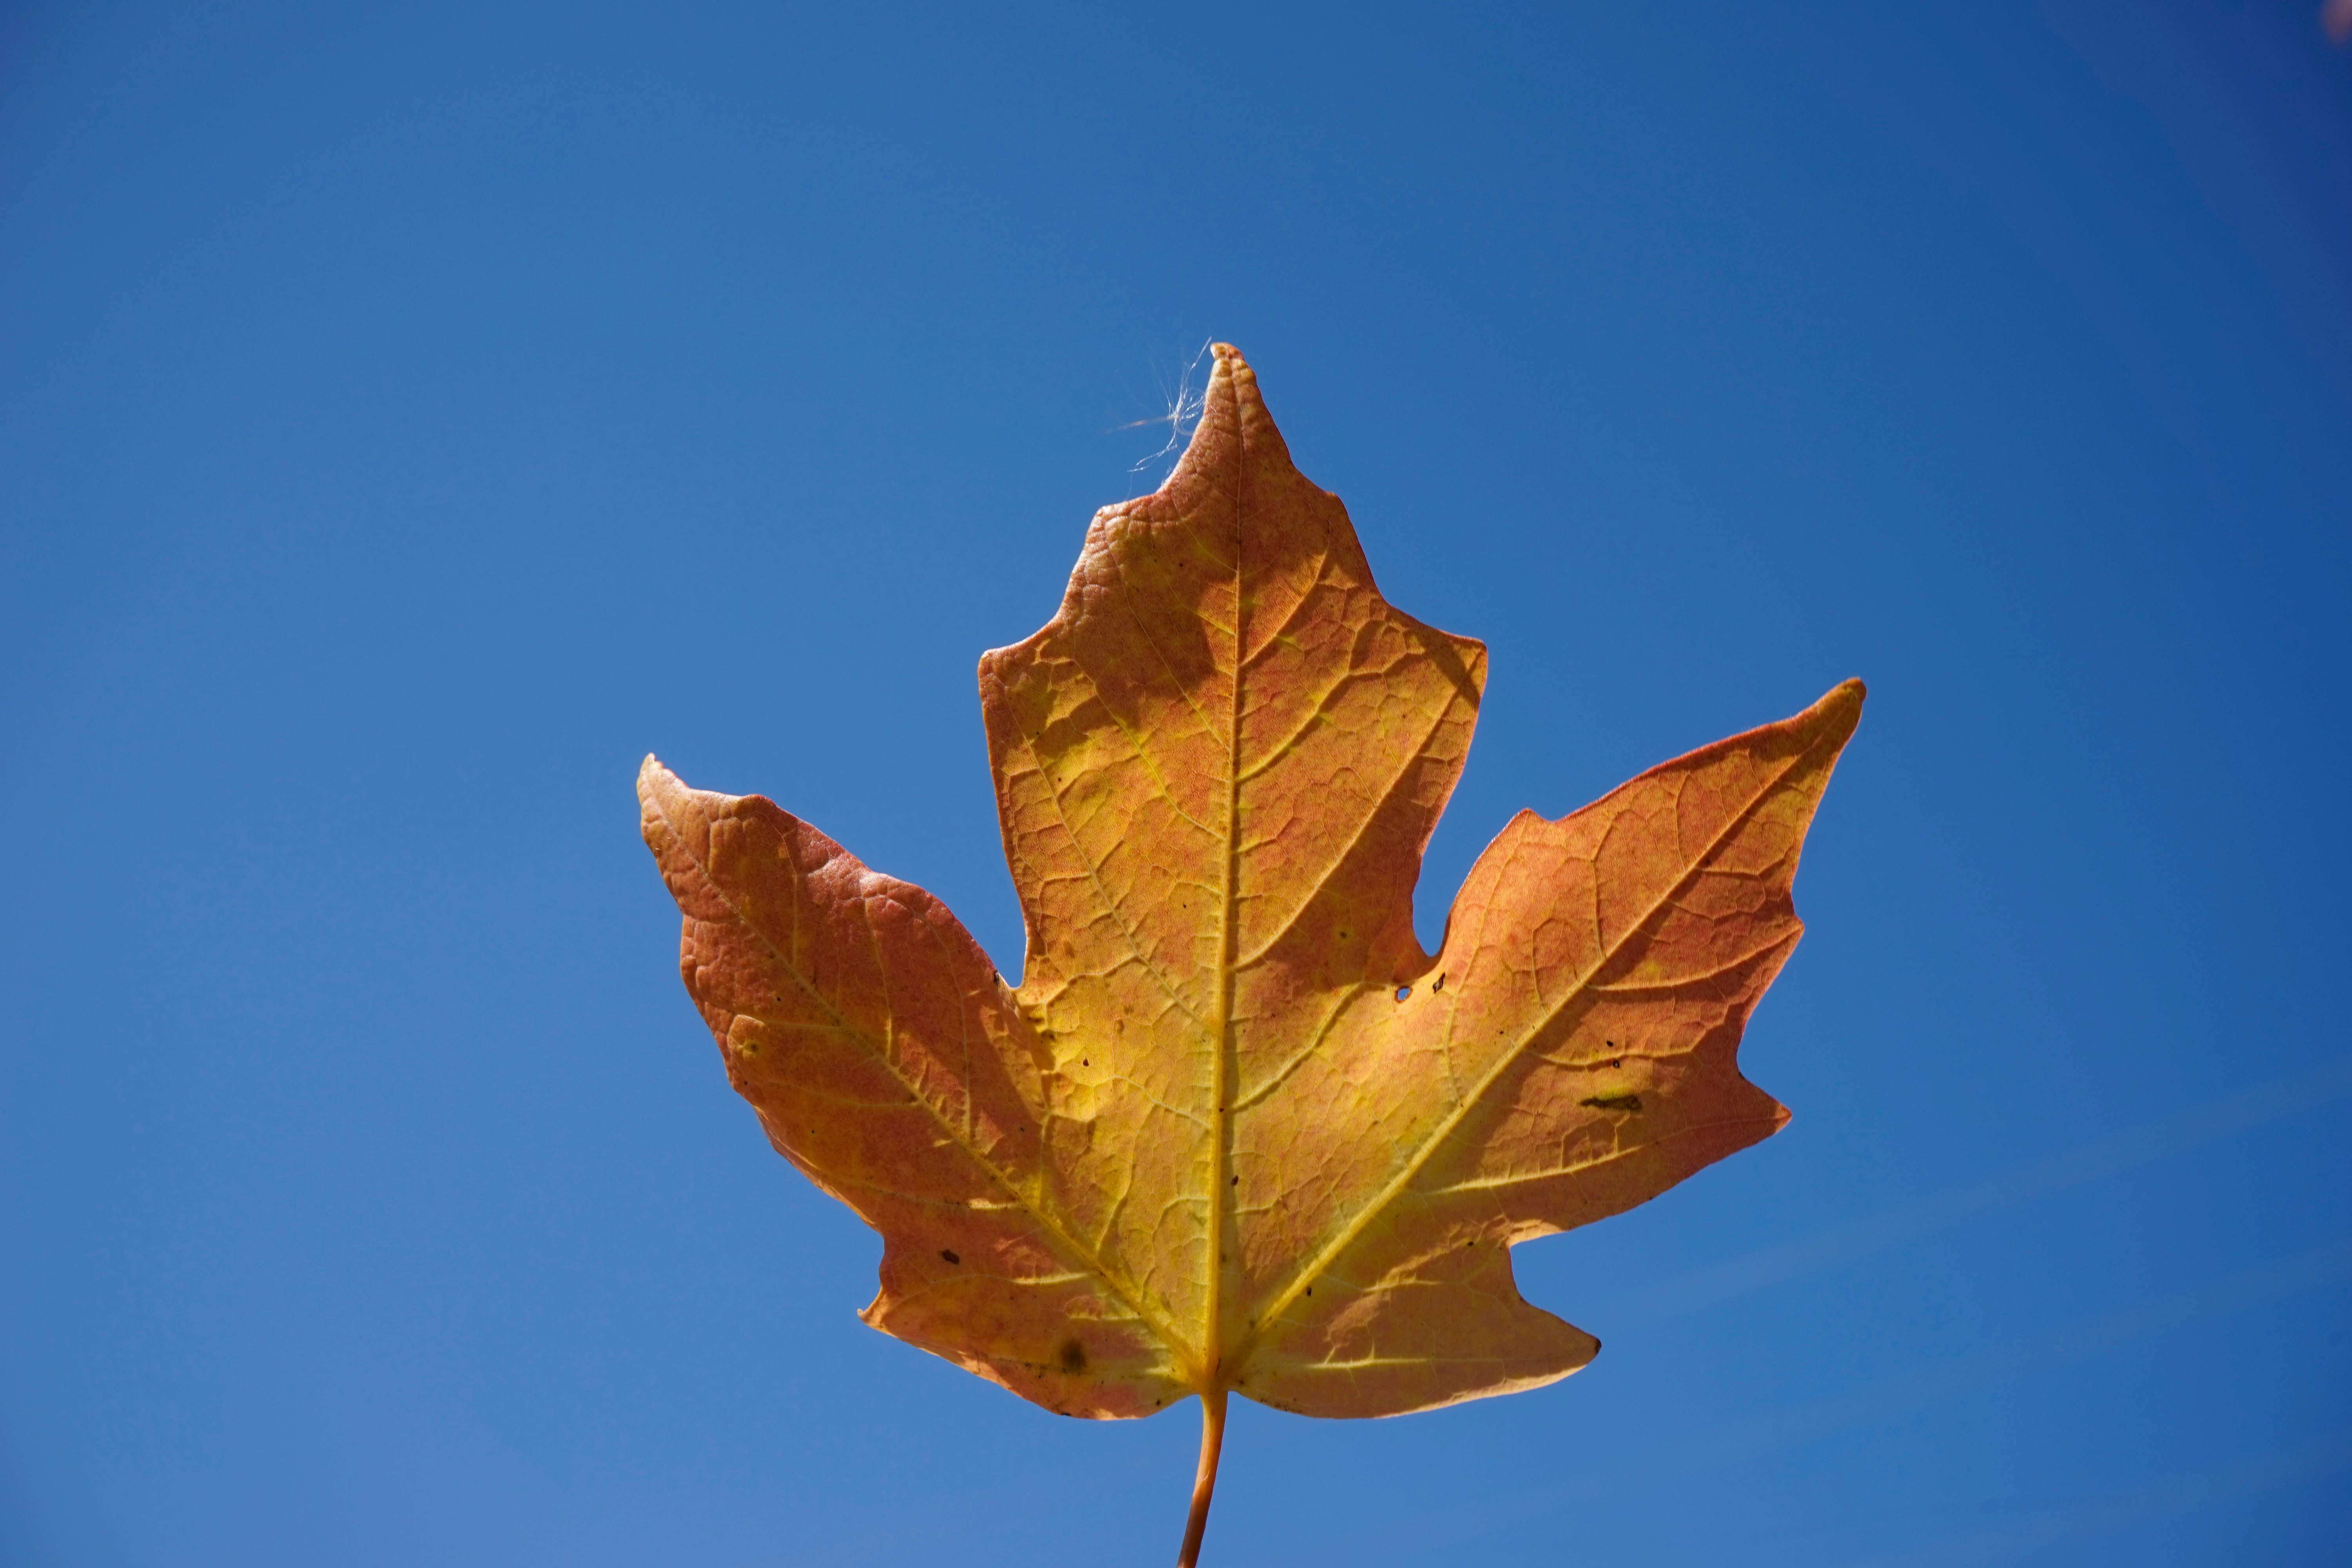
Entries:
{"x":1237,"y":1131}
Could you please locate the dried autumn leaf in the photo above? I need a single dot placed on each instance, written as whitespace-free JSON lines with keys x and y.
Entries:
{"x":1235,"y":1130}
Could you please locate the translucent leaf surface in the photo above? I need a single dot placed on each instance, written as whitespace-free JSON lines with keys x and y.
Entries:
{"x":1235,"y":1131}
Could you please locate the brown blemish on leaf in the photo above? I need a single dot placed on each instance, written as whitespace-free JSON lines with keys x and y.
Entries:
{"x":1071,"y":1357}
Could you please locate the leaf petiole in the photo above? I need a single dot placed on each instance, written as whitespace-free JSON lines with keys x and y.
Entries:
{"x":1204,"y":1485}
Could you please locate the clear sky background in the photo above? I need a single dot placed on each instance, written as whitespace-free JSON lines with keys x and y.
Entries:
{"x":412,"y":414}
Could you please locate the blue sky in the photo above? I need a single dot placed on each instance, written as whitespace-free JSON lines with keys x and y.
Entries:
{"x":413,"y":415}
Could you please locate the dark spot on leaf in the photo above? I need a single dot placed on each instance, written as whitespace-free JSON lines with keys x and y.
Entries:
{"x":1616,"y":1061}
{"x":1086,"y":1061}
{"x":1613,"y":1102}
{"x":950,"y":1256}
{"x":1234,"y":1183}
{"x":1073,"y":1357}
{"x":1404,"y":991}
{"x":1438,"y":983}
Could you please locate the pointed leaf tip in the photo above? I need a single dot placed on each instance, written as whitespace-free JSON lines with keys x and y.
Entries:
{"x":654,"y":779}
{"x":1838,"y":713}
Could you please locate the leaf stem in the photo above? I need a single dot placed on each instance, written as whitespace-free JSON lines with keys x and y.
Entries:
{"x":1204,"y":1485}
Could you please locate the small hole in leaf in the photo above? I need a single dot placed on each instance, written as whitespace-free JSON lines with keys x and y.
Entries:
{"x":1404,"y":991}
{"x":1613,"y":1102}
{"x":950,"y":1256}
{"x":1438,"y":983}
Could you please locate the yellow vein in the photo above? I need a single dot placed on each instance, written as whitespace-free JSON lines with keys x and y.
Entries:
{"x":1282,"y":1075}
{"x":1323,"y":880}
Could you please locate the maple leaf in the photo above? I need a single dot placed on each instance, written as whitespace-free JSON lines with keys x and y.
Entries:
{"x":1235,"y":1129}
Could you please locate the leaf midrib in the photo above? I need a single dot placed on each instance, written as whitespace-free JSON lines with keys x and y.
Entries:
{"x":1228,"y":939}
